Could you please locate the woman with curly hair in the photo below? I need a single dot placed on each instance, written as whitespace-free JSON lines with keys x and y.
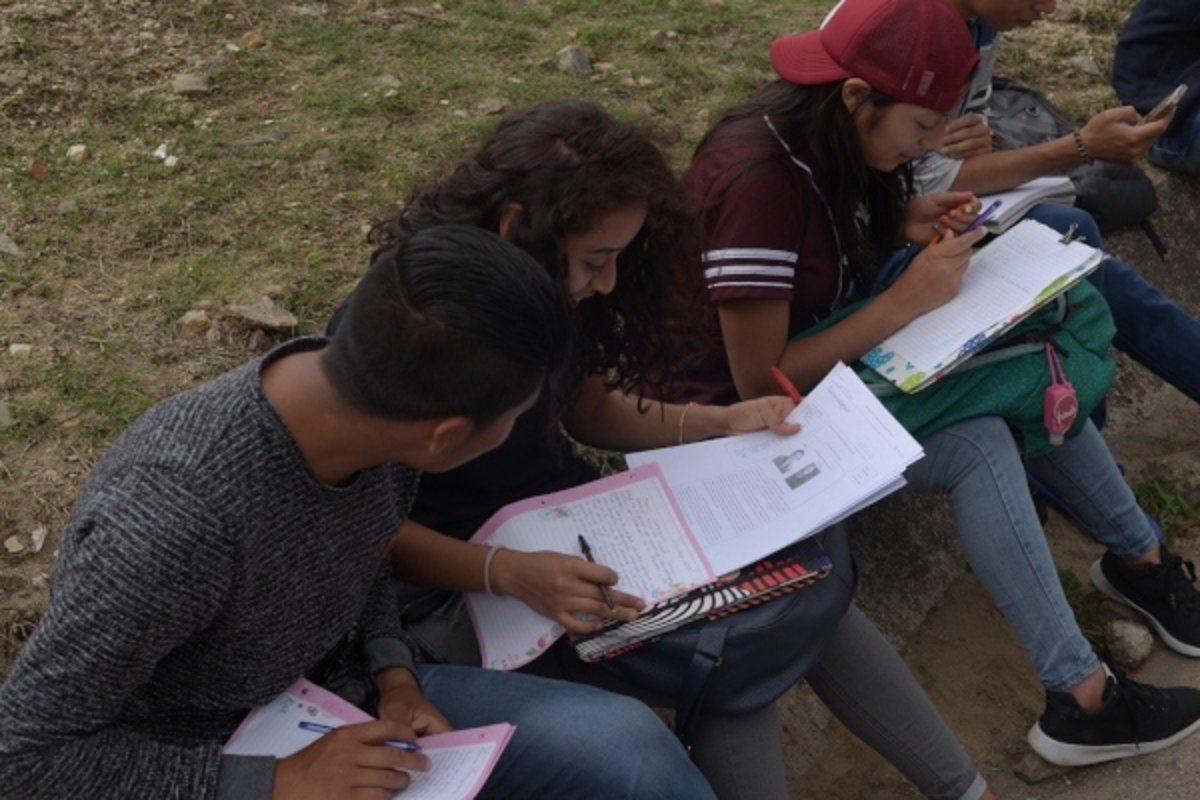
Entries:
{"x":594,"y":199}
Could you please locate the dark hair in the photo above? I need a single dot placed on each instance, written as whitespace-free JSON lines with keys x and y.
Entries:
{"x":816,"y":118}
{"x":452,"y":321}
{"x":567,"y":164}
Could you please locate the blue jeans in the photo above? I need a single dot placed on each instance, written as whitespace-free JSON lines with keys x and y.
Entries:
{"x":978,"y":463}
{"x":571,"y":740}
{"x":1151,"y":329}
{"x":1179,"y":147}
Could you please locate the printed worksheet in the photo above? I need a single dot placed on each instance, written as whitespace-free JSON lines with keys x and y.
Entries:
{"x":683,"y":515}
{"x":461,"y":760}
{"x":747,"y":496}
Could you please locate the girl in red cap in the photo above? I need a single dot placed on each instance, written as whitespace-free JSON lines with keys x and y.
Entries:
{"x":804,"y":193}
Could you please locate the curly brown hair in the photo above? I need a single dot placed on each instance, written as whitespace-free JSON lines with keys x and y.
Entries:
{"x":567,"y":164}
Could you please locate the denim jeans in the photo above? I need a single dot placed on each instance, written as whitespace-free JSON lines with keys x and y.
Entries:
{"x":571,"y":740}
{"x":1151,"y":329}
{"x":1179,"y":148}
{"x":978,"y":463}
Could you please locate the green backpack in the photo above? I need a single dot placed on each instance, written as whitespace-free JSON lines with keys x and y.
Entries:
{"x":1009,"y":377}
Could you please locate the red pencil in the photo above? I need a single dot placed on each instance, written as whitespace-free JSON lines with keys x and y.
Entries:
{"x":788,"y":387}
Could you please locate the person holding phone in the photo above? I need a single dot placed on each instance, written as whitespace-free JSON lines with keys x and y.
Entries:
{"x":1159,"y":49}
{"x":1151,"y":328}
{"x":804,"y":193}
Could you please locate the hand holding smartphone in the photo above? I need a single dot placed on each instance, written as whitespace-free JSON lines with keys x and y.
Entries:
{"x":1165,"y":106}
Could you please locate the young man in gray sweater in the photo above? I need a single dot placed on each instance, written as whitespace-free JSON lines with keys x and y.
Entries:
{"x":234,"y":536}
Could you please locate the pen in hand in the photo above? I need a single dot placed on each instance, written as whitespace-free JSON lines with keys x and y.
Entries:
{"x":983,"y":217}
{"x":316,"y":727}
{"x":587,"y":553}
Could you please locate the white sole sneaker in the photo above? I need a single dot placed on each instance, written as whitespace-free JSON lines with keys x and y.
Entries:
{"x":1065,"y":754}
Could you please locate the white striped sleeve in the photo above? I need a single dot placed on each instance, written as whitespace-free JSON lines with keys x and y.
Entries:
{"x":749,"y":271}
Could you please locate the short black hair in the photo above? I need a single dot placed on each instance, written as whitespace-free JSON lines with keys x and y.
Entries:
{"x":453,"y":321}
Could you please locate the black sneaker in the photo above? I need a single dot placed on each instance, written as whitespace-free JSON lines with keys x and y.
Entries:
{"x":1164,"y":593}
{"x":1135,"y":719}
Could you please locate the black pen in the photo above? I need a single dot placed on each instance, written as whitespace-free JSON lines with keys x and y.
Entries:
{"x":587,"y":553}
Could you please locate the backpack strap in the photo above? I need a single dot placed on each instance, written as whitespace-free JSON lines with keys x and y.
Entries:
{"x":710,"y":645}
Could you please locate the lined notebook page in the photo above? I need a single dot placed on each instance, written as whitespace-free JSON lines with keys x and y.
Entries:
{"x":1006,"y":280}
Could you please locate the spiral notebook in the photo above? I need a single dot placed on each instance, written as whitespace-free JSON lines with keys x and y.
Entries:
{"x":785,"y":571}
{"x":1007,"y":280}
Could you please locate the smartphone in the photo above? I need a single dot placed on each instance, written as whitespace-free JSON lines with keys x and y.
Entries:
{"x":1166,"y":105}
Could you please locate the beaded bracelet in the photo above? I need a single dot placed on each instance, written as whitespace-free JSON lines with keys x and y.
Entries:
{"x":487,"y":568}
{"x":1081,"y":150}
{"x":682,"y":417}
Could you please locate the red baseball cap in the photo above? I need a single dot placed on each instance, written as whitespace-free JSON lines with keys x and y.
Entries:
{"x":915,"y":51}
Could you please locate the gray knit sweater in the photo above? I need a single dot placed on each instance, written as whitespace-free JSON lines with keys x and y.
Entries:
{"x":202,"y":570}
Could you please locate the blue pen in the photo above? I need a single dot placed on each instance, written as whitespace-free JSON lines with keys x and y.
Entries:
{"x":316,"y":727}
{"x":983,"y":217}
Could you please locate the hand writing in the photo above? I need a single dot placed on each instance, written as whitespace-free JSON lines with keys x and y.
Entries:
{"x":350,"y":762}
{"x":562,"y":587}
{"x":935,"y":275}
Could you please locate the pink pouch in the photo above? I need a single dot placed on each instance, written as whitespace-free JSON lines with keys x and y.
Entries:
{"x":1059,"y":404}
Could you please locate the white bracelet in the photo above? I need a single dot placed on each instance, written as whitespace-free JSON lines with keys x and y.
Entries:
{"x":487,"y":568}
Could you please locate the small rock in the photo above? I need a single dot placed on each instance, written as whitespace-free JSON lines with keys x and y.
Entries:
{"x":194,"y":323}
{"x":644,"y":82}
{"x":68,"y":205}
{"x":40,"y":581}
{"x":263,"y":313}
{"x":76,"y":152}
{"x":1086,"y":64}
{"x":604,"y":67}
{"x":574,"y":60}
{"x":7,"y":245}
{"x":20,"y":349}
{"x":491,"y":106}
{"x":161,"y":151}
{"x":38,"y":537}
{"x":266,"y":138}
{"x":1129,"y":643}
{"x":189,"y":85}
{"x":258,"y":342}
{"x":213,"y":334}
{"x":384,"y":81}
{"x":13,"y":545}
{"x":253,"y":39}
{"x":1034,"y":769}
{"x":170,"y":161}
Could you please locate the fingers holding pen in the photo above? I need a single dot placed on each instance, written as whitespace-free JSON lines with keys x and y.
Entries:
{"x":560,"y":586}
{"x":935,"y":275}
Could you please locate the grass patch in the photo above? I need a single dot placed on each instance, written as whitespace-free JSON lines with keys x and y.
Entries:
{"x":1171,"y":510}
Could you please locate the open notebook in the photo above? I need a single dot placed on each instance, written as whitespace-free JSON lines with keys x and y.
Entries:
{"x":682,"y":516}
{"x":461,"y":760}
{"x":1016,"y":202}
{"x":1008,"y":279}
{"x":786,"y":571}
